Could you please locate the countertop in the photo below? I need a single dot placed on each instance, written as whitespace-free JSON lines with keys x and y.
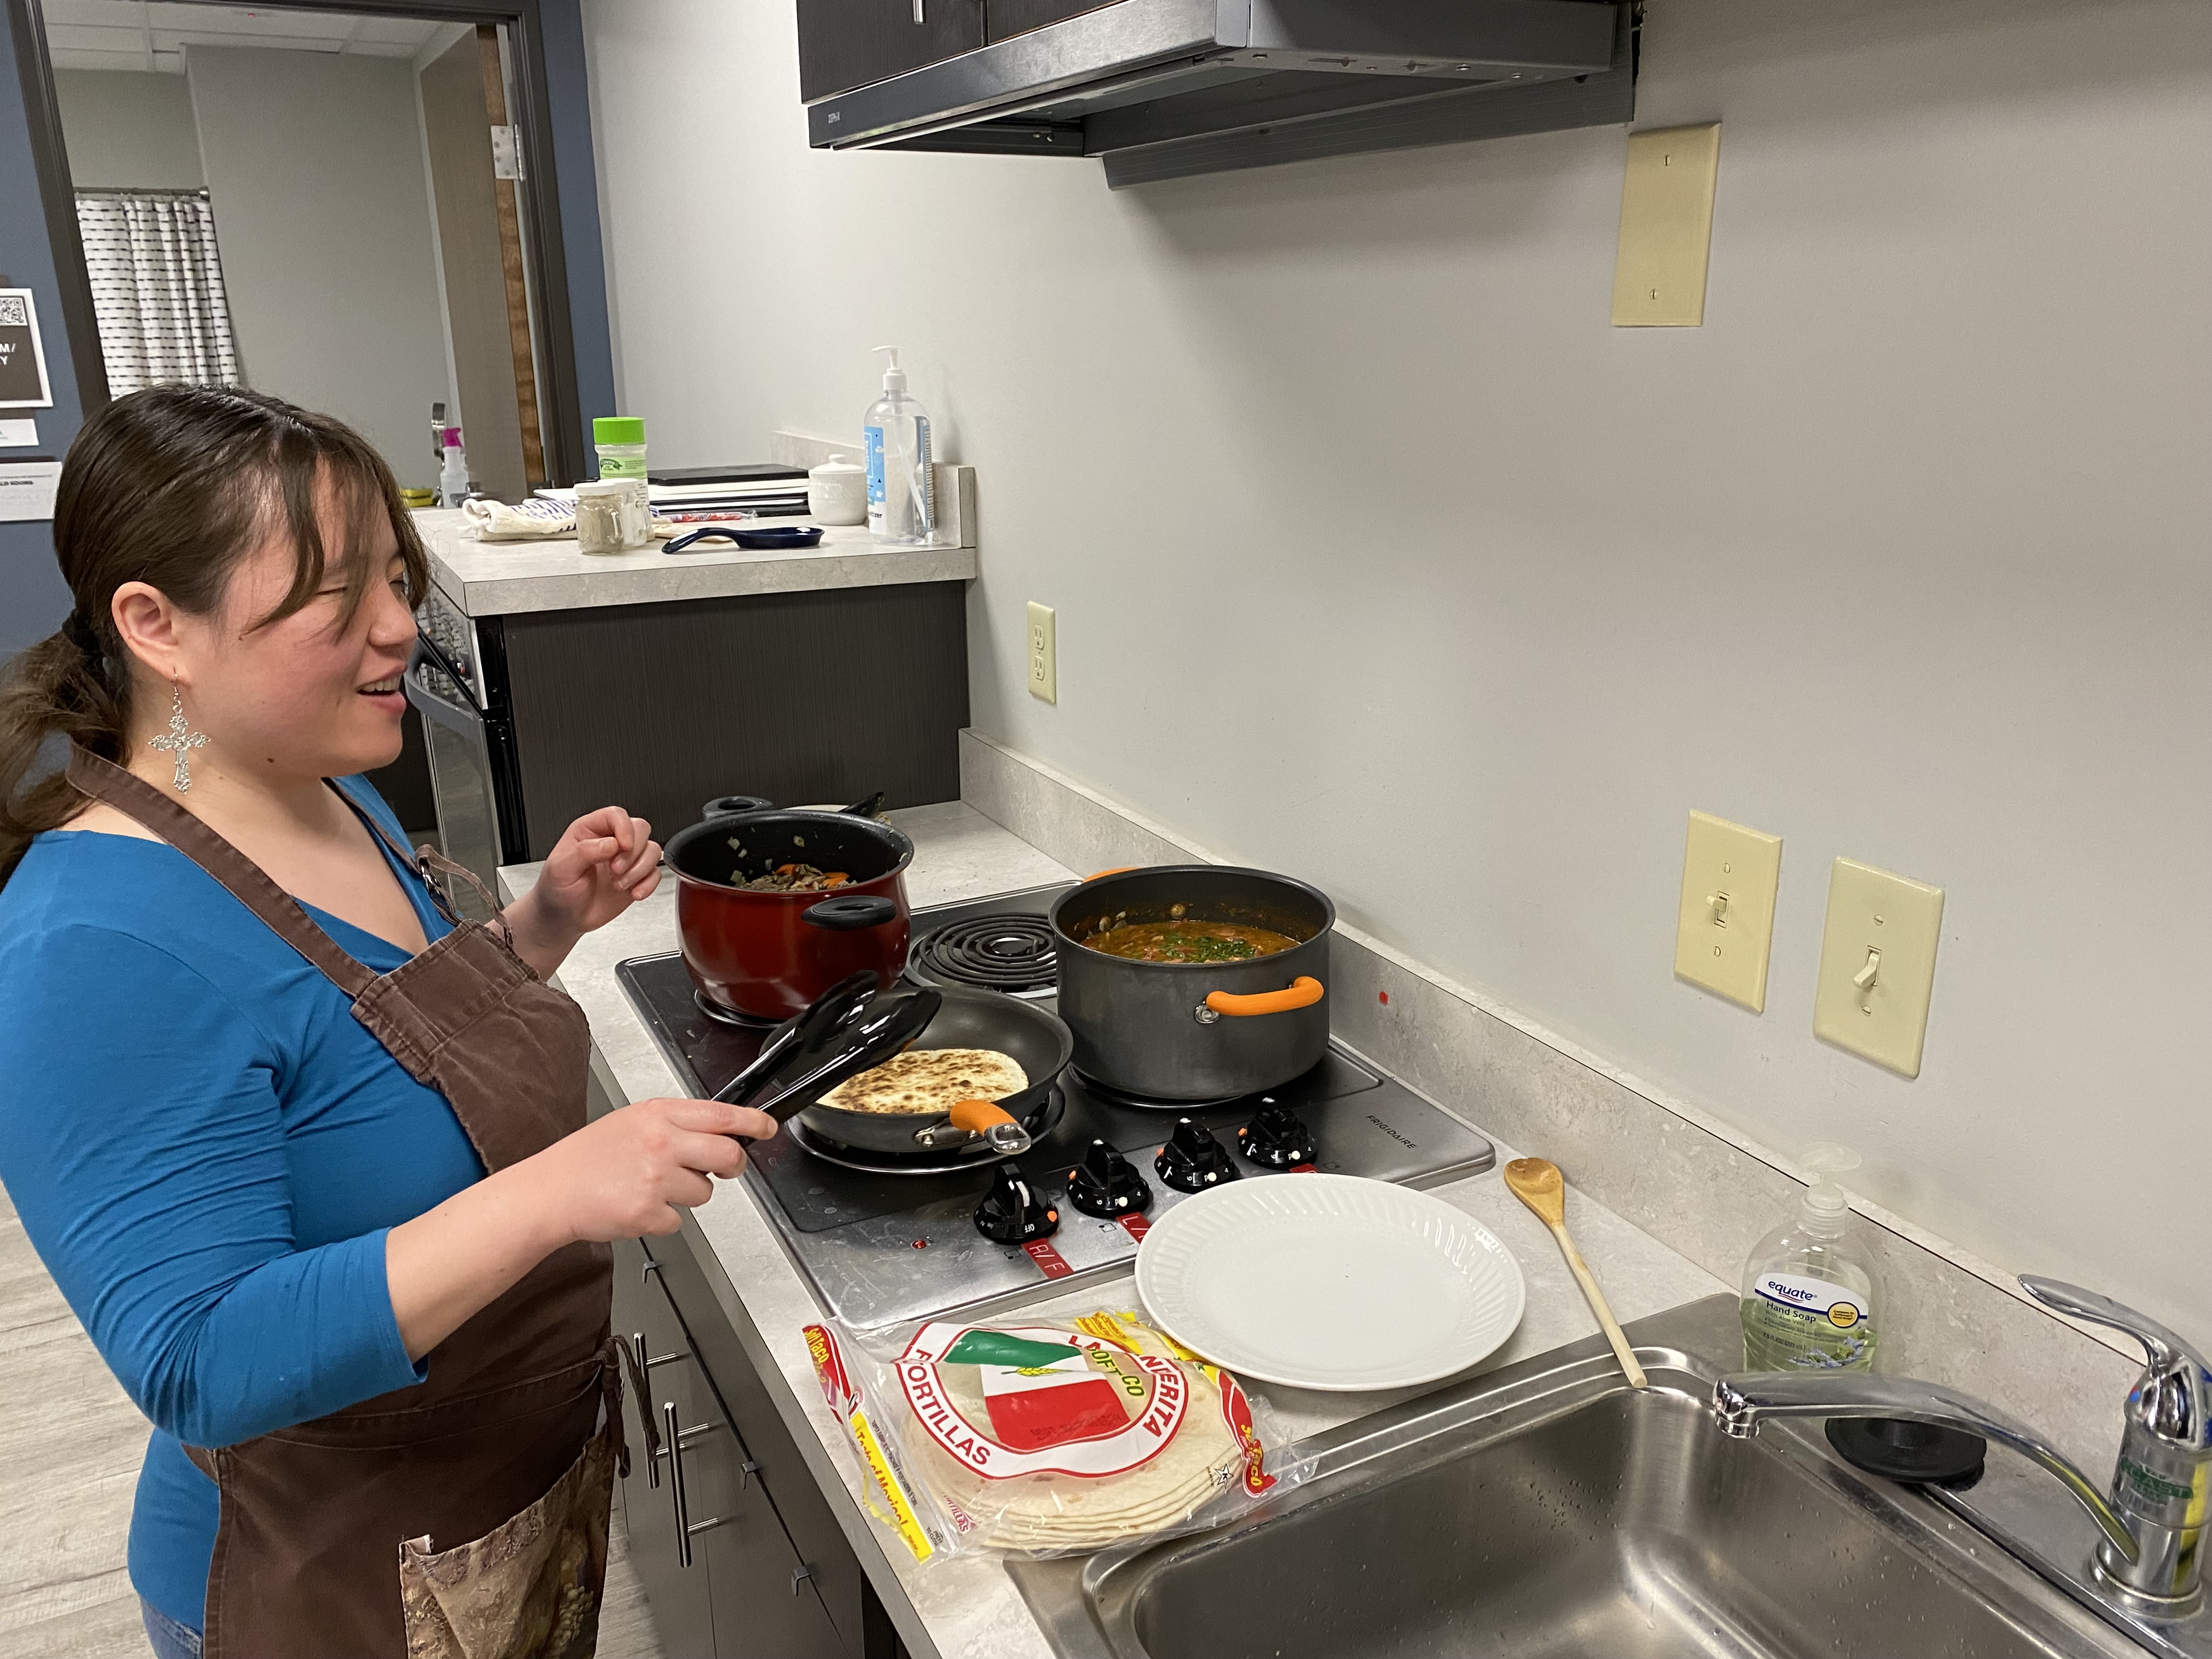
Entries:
{"x":968,"y":1608}
{"x":497,"y":578}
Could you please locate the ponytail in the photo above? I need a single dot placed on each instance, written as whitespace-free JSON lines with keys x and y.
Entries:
{"x":53,"y":694}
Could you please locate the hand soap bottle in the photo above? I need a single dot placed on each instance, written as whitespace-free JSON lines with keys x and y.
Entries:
{"x":901,"y":487}
{"x":1811,"y":1293}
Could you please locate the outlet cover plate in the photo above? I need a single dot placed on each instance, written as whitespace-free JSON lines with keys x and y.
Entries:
{"x":1043,"y":653}
{"x":1872,"y":913}
{"x":1666,"y":227}
{"x":1724,"y":947}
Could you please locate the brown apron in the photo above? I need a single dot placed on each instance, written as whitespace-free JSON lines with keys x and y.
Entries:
{"x":464,"y":1517}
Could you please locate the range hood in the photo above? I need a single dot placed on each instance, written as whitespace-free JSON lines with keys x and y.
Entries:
{"x":1160,"y":88}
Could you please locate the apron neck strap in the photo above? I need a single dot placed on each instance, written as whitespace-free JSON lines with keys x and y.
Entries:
{"x":135,"y":798}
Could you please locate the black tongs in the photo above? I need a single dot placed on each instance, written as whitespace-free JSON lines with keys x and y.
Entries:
{"x":849,"y":1028}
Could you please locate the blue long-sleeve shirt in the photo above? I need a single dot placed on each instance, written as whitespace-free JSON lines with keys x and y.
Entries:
{"x":207,"y":1150}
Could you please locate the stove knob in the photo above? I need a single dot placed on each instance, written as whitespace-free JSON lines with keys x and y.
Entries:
{"x":1192,"y":1160}
{"x":1275,"y":1139}
{"x":1107,"y":1184}
{"x":1012,"y":1211}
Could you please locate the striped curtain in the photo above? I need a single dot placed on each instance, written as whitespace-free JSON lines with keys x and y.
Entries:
{"x":157,"y":288}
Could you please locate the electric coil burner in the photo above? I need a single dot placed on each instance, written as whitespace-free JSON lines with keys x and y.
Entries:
{"x":1010,"y":953}
{"x":888,"y":1240}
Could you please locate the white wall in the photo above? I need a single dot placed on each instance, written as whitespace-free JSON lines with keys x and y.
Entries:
{"x":314,"y":168}
{"x":129,"y":131}
{"x":1379,"y":557}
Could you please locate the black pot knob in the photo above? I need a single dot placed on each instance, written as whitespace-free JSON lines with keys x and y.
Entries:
{"x":1193,"y":1159}
{"x":1276,"y":1138}
{"x":1013,"y":1211}
{"x":1107,"y":1184}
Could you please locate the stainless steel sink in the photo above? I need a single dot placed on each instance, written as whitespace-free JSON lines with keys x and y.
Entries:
{"x":1548,"y":1509}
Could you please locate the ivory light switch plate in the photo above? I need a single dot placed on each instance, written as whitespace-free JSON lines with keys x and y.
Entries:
{"x":1877,"y":964}
{"x":1044,"y":653}
{"x":1666,"y":227}
{"x":1730,"y":875}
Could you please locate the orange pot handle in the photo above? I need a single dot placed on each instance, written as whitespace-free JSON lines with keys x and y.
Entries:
{"x":1118,"y":869}
{"x":1304,"y":992}
{"x":977,"y":1115}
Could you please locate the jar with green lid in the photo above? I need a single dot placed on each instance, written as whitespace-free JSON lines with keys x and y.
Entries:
{"x":620,"y":440}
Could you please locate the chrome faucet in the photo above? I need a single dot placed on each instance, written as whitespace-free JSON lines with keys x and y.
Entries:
{"x":2152,"y":1525}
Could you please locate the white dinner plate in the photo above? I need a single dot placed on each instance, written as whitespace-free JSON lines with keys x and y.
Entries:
{"x":1323,"y":1281}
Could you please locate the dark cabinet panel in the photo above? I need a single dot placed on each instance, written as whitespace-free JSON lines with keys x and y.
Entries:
{"x":683,"y":1610}
{"x":1007,"y":18}
{"x":837,"y":1576}
{"x":811,"y":697}
{"x":843,"y":43}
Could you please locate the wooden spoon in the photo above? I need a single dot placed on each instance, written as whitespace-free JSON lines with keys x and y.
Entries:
{"x":1537,"y":1182}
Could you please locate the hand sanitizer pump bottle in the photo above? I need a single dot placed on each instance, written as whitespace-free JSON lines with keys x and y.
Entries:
{"x":901,"y":489}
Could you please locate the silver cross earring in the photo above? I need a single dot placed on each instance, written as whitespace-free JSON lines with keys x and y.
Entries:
{"x":179,"y":740}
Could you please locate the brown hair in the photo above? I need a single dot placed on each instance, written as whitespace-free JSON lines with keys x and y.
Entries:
{"x":172,"y":486}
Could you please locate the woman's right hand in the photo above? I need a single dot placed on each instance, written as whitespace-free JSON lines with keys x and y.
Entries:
{"x":634,"y":1171}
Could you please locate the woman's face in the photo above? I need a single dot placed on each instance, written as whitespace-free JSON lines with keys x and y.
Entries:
{"x":304,"y":696}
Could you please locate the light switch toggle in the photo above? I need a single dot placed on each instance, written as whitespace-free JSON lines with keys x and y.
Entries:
{"x":1864,"y":978}
{"x":1717,"y":903}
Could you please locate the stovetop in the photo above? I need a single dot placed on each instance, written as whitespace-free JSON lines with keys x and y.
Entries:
{"x":881,"y":1250}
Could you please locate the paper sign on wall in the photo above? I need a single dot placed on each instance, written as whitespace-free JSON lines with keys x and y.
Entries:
{"x":19,"y":435}
{"x":23,"y":359}
{"x":27,"y":490}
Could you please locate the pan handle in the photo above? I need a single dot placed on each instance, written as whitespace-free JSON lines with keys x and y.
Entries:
{"x":1302,"y":992}
{"x":986,"y":1118}
{"x":1116,"y":870}
{"x":851,"y":913}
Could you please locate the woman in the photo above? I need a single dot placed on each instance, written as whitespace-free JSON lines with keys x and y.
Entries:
{"x":307,"y":1156}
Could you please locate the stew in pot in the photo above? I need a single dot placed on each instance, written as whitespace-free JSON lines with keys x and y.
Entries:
{"x":1184,"y":940}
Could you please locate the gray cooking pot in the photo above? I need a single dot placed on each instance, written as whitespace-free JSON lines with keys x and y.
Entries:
{"x":1177,"y":1032}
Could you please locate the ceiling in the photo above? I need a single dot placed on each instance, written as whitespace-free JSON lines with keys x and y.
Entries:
{"x":152,"y":34}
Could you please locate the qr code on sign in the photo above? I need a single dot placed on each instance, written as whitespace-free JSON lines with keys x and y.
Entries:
{"x":15,"y":312}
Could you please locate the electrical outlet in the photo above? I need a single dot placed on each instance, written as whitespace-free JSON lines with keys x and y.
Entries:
{"x":1044,"y":653}
{"x":1726,"y":922}
{"x":1878,"y":964}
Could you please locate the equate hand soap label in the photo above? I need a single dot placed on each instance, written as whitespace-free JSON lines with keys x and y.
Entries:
{"x":1793,"y":1323}
{"x":1839,"y":1306}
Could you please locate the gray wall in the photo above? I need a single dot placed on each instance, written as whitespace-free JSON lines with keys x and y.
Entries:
{"x":33,"y":598}
{"x":1381,"y":558}
{"x":314,"y":168}
{"x":129,"y":130}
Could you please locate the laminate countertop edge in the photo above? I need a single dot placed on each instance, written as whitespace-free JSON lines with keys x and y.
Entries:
{"x":967,"y":1607}
{"x":499,"y":579}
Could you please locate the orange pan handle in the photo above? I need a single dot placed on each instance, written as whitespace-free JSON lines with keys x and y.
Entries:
{"x":1117,"y":870}
{"x":992,"y":1121}
{"x":1304,"y":992}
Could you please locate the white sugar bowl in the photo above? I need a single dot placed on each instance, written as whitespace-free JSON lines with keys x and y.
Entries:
{"x":837,"y":492}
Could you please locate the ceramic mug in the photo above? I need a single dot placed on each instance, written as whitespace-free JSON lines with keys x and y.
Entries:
{"x":837,"y":492}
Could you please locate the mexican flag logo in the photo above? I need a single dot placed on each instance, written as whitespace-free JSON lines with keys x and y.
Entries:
{"x":1031,"y":1399}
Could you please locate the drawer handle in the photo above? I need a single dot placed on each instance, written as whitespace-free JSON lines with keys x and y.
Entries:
{"x":918,"y":17}
{"x":798,"y":1574}
{"x":685,"y":1526}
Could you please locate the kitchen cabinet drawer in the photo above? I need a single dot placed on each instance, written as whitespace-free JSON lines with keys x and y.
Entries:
{"x":682,"y":1611}
{"x":863,"y":1630}
{"x":843,"y":43}
{"x":1004,"y":19}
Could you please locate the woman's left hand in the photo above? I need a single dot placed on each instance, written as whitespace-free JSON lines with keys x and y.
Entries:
{"x":604,"y":863}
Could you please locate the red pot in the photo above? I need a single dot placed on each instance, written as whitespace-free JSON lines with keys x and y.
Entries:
{"x":769,"y":955}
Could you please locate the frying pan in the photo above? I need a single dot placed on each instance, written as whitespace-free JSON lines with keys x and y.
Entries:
{"x":847,"y":1032}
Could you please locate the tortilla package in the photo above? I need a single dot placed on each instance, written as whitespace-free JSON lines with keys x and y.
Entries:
{"x":1038,"y":1438}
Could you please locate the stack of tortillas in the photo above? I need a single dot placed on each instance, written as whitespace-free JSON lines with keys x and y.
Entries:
{"x":931,"y":1081}
{"x":1053,"y":1511}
